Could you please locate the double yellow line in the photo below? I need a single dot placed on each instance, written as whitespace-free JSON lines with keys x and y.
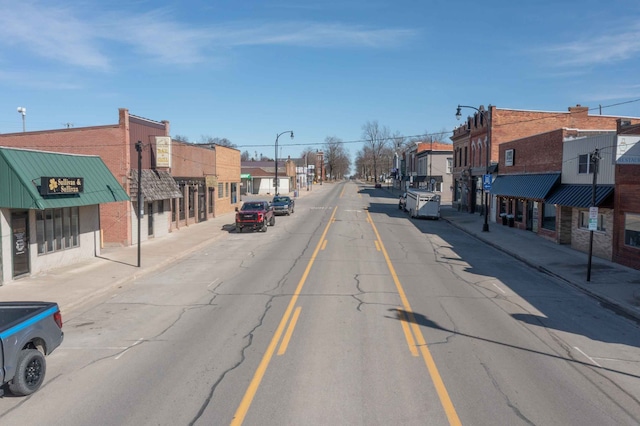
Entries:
{"x":414,"y":336}
{"x":419,"y":342}
{"x":243,"y":408}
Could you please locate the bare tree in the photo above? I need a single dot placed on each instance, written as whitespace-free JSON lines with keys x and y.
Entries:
{"x":376,"y":139}
{"x":206,"y":139}
{"x":245,"y":156}
{"x":336,"y":157}
{"x":180,"y":138}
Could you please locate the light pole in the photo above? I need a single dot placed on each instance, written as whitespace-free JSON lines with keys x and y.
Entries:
{"x":277,"y":137}
{"x":23,"y":111}
{"x":485,"y":226}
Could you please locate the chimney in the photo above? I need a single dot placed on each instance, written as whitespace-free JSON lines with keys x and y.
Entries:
{"x":579,"y":109}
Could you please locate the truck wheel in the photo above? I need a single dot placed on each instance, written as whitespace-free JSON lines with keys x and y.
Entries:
{"x":239,"y":229}
{"x":264,"y":226}
{"x":30,"y":371}
{"x":273,"y":221}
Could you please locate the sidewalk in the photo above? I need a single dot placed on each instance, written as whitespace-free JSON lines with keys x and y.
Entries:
{"x":76,"y":285}
{"x":614,"y":285}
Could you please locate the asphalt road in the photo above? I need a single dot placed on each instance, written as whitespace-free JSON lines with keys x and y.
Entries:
{"x":345,"y":313}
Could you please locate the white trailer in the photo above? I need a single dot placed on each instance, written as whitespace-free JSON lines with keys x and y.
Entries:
{"x":423,"y":203}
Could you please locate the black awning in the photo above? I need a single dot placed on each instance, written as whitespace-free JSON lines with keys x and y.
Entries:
{"x":525,"y":186}
{"x":579,"y":195}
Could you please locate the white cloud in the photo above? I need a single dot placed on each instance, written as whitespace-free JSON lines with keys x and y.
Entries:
{"x":603,"y":49}
{"x":50,"y":32}
{"x":93,"y":40}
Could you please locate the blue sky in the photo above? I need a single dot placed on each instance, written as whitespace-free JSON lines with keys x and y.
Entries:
{"x":248,"y":70}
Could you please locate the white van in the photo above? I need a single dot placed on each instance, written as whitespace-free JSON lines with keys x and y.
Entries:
{"x":423,"y":203}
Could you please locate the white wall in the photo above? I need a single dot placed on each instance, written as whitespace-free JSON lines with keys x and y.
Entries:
{"x":161,"y":221}
{"x":89,"y":242}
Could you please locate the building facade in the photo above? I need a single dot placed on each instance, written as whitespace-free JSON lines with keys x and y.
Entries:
{"x":626,"y":219}
{"x":50,"y":209}
{"x":182,"y":183}
{"x":476,"y":144}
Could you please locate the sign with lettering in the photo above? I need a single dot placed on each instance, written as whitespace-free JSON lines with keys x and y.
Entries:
{"x":628,"y":149}
{"x":61,"y":185}
{"x":163,"y":151}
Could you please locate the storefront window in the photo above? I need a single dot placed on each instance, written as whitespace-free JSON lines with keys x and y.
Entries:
{"x":519,"y":210}
{"x":66,"y":226}
{"x":632,"y":230}
{"x":584,"y":221}
{"x":549,"y":216}
{"x":57,"y":223}
{"x":181,"y":205}
{"x":57,"y":229}
{"x":192,"y":201}
{"x":220,"y":190}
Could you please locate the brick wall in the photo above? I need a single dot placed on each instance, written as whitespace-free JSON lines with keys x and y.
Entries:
{"x":108,"y":142}
{"x":541,"y":153}
{"x":228,"y":170}
{"x":602,"y":241}
{"x":627,"y":200}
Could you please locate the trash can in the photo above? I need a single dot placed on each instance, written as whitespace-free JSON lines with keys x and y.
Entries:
{"x":511,"y":221}
{"x":504,"y":219}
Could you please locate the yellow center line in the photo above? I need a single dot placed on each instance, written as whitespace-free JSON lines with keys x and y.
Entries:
{"x":407,"y":333}
{"x":324,"y":245}
{"x":243,"y":408}
{"x":287,"y":336}
{"x":445,"y":400}
{"x":377,"y":245}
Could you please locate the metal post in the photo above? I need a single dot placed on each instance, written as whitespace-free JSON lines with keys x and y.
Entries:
{"x":276,"y":182}
{"x":140,"y":205}
{"x":277,"y":137}
{"x":594,"y":162}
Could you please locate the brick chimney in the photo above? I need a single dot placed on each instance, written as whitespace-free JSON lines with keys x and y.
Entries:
{"x":579,"y":109}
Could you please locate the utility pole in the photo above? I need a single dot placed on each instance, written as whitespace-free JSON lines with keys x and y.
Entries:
{"x":140,"y":203}
{"x":595,"y":158}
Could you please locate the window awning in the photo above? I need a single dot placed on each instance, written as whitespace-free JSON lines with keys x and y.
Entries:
{"x":579,"y":195}
{"x":156,"y":185}
{"x":534,"y":187}
{"x":21,"y":172}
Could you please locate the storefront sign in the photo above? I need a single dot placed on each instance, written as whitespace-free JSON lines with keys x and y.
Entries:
{"x":163,"y":151}
{"x":628,"y":150}
{"x":61,"y":185}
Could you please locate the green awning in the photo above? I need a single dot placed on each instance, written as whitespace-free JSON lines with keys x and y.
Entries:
{"x":22,"y":170}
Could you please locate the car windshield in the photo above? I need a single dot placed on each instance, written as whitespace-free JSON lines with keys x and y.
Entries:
{"x":281,"y":200}
{"x":252,"y":206}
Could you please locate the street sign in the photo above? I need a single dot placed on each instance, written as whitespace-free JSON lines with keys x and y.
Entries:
{"x":593,"y":218}
{"x":486,"y":182}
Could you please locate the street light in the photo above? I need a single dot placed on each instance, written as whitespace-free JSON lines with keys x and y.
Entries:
{"x":485,"y":226}
{"x":277,"y":137}
{"x":23,"y":111}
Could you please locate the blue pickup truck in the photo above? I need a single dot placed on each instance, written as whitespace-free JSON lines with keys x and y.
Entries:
{"x":28,"y":332}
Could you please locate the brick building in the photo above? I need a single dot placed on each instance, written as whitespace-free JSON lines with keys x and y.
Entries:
{"x":181,"y":183}
{"x":626,"y":220}
{"x":476,"y":143}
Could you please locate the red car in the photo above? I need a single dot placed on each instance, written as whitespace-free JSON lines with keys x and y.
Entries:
{"x":256,"y":215}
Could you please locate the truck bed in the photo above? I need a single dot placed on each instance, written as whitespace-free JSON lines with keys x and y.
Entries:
{"x":13,"y":314}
